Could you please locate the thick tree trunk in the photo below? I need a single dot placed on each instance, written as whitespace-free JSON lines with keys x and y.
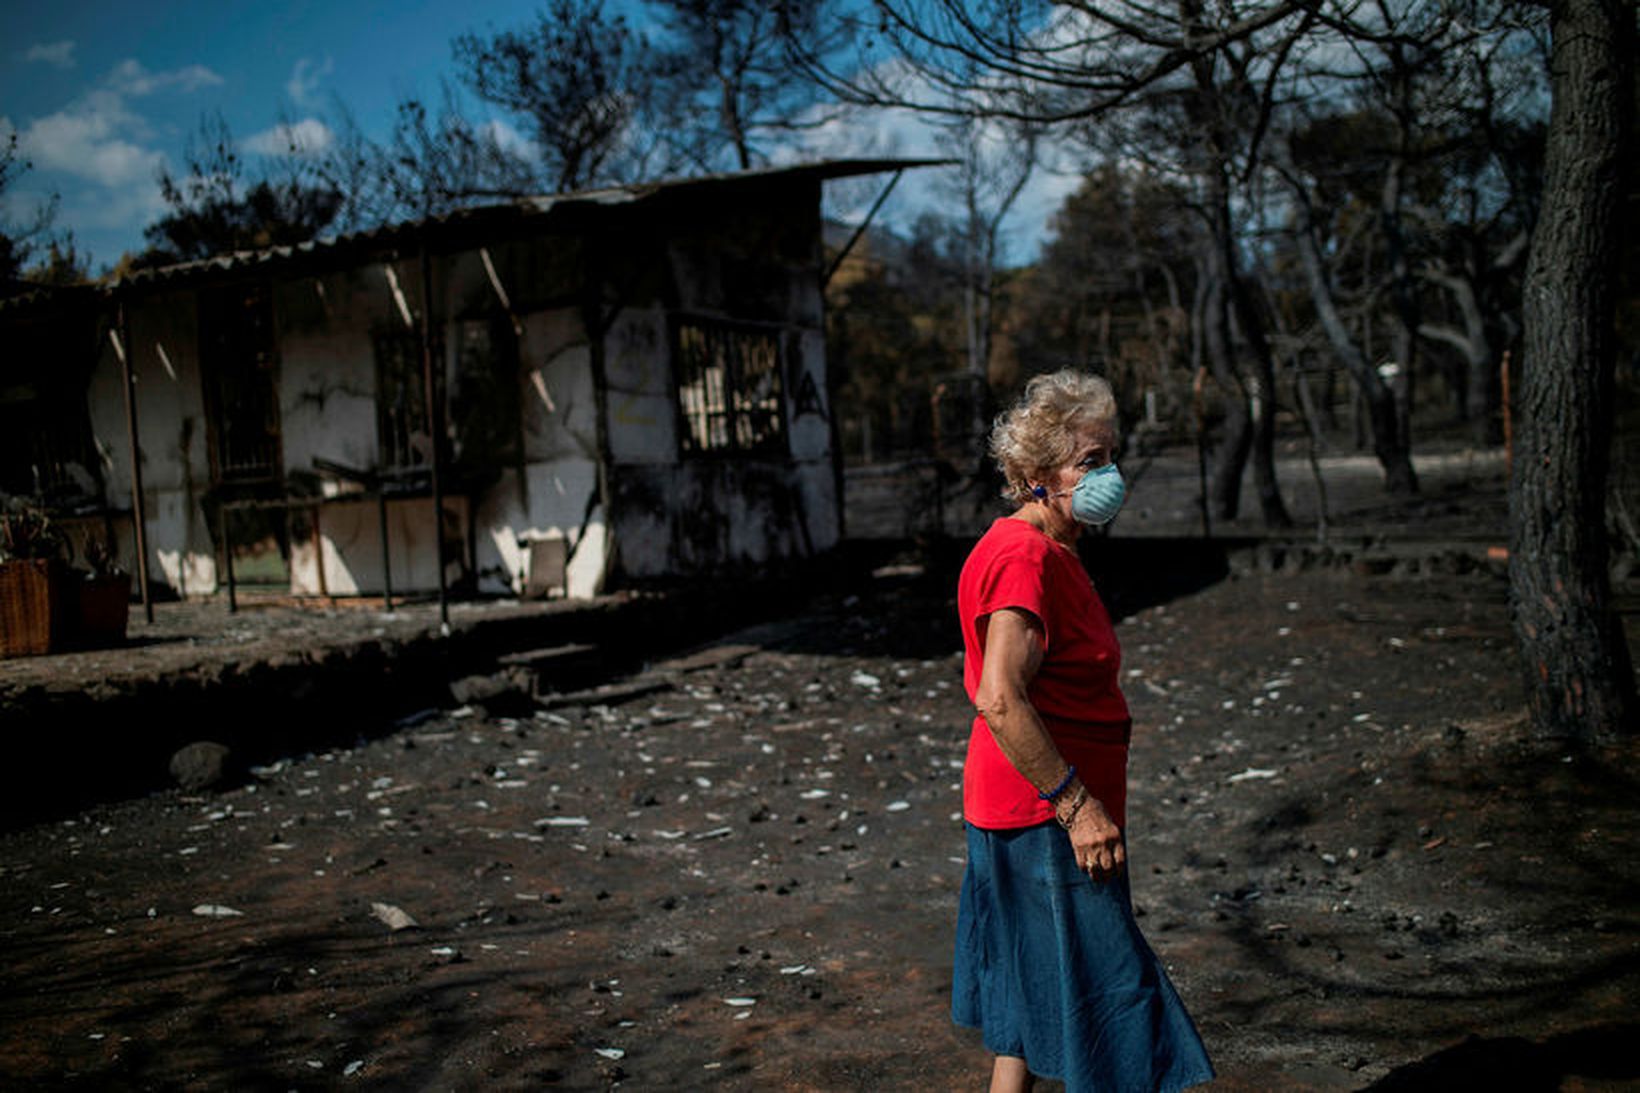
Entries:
{"x":1579,"y":678}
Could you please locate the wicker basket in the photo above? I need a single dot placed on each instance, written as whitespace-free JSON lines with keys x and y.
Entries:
{"x":36,"y":607}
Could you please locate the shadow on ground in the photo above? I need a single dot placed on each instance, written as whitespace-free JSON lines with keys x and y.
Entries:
{"x":1510,"y":1062}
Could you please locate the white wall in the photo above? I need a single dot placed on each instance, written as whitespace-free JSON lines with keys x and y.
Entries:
{"x":172,"y":435}
{"x":350,"y":531}
{"x":557,"y":496}
{"x":643,"y":411}
{"x":678,"y":515}
{"x":327,"y":368}
{"x":654,"y":516}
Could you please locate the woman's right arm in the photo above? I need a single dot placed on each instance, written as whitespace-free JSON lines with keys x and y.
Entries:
{"x":1013,"y":654}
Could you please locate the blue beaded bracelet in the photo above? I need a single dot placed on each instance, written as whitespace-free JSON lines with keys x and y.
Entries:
{"x":1048,"y":795}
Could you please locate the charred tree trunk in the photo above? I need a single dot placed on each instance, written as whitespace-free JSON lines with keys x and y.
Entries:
{"x":1403,"y":291}
{"x":1249,"y":394}
{"x":1382,"y":413}
{"x":1579,"y":678}
{"x":1230,"y":460}
{"x":1261,"y":404}
{"x":1480,"y":375}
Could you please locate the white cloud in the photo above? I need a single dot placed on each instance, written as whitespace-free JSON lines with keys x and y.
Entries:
{"x":509,"y":139}
{"x":101,"y":155}
{"x":133,"y":205}
{"x":95,"y":139}
{"x":56,"y":54}
{"x":307,"y":137}
{"x":303,"y":85}
{"x":98,"y":138}
{"x":129,"y":77}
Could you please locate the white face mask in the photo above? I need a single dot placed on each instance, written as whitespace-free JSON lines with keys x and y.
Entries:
{"x":1098,"y":497}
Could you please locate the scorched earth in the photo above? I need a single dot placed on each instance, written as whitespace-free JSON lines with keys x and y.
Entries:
{"x":1355,"y":865}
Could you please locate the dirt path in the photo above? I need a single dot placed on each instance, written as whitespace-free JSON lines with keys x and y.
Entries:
{"x":748,"y":880}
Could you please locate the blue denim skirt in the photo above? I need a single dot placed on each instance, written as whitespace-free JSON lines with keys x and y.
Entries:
{"x":1051,"y":968}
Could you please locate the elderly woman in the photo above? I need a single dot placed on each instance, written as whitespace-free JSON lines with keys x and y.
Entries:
{"x":1050,"y":964}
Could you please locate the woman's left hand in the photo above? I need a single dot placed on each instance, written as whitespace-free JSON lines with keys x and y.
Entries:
{"x":1097,"y":842}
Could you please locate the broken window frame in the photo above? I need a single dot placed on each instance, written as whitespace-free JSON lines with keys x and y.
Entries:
{"x":48,"y":432}
{"x":729,"y":381}
{"x":48,"y":449}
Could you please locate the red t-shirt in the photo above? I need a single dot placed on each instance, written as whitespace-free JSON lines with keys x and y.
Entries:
{"x":1076,"y":691}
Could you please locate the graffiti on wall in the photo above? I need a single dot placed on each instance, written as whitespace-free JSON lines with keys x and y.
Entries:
{"x":801,"y":382}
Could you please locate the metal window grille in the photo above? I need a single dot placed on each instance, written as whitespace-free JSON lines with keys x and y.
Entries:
{"x":238,"y":341}
{"x":401,"y":401}
{"x":729,"y":387}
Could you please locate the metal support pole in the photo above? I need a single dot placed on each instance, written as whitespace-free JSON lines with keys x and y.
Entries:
{"x":435,"y":430}
{"x":227,"y":554}
{"x":1201,"y":451}
{"x":319,"y":551}
{"x":861,"y":230}
{"x":122,"y":343}
{"x":387,"y":560}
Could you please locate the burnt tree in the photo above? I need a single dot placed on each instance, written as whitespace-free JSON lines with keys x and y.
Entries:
{"x":1579,"y":677}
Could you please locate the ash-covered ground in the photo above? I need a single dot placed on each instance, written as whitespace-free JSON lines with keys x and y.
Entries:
{"x":1359,"y":869}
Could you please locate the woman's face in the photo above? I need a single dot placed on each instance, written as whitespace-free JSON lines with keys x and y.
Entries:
{"x":1093,"y":445}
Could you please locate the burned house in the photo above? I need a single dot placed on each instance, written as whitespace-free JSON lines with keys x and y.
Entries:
{"x":626,"y":385}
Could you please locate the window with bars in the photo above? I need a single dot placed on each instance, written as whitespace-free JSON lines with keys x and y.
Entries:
{"x":238,"y":350}
{"x":729,"y":387}
{"x":401,"y":401}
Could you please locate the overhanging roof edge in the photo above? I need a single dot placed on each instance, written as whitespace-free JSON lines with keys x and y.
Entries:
{"x":388,"y":236}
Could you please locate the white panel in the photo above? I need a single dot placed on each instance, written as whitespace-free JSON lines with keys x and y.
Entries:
{"x":590,"y":563}
{"x":808,"y":408}
{"x":560,"y":412}
{"x":327,"y":396}
{"x":556,"y":500}
{"x":351,"y":535}
{"x":638,"y":369}
{"x":819,"y":492}
{"x":180,"y":550}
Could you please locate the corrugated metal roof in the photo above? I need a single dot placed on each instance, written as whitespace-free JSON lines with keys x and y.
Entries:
{"x":41,"y":297}
{"x":477,"y":218}
{"x":501,"y":214}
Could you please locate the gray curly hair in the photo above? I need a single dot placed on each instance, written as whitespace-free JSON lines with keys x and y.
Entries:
{"x":1033,"y":436}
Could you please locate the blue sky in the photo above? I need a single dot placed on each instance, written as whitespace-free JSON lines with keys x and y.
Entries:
{"x":102,"y":95}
